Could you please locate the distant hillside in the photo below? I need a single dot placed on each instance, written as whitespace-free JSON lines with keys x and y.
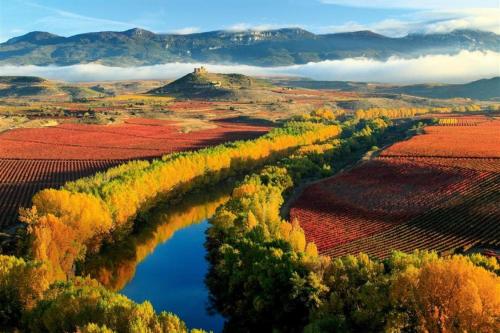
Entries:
{"x":36,"y":88}
{"x":485,"y":89}
{"x":262,"y":48}
{"x":202,"y":84}
{"x":21,"y":80}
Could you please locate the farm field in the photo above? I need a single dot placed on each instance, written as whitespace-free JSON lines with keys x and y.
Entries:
{"x":466,"y":140}
{"x":434,"y":191}
{"x":35,"y":158}
{"x":20,"y":179}
{"x":136,"y":138}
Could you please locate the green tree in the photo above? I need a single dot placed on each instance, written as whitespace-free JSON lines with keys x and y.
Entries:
{"x":21,"y":285}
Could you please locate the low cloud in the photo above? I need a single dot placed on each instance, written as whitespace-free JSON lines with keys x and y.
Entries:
{"x":463,"y":67}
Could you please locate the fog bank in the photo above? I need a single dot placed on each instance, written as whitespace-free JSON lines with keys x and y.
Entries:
{"x":462,"y":67}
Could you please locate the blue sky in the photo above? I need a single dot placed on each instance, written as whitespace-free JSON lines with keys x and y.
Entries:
{"x":396,"y":18}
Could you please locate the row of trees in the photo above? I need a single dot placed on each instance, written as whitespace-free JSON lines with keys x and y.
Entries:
{"x":65,"y":224}
{"x":418,"y":292}
{"x":264,"y":276}
{"x":261,"y":264}
{"x":389,"y":113}
{"x":396,"y":113}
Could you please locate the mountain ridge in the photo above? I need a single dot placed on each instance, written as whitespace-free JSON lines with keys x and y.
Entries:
{"x":279,"y":47}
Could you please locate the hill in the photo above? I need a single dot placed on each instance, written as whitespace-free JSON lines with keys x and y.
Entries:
{"x":36,"y":88}
{"x":200,"y":84}
{"x":262,"y":48}
{"x":484,"y":89}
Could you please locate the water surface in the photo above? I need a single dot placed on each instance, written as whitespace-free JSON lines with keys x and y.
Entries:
{"x":172,"y":279}
{"x":163,"y":259}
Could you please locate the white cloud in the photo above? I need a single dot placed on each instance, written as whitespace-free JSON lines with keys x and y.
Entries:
{"x":239,"y":27}
{"x":243,"y":26}
{"x":463,"y":67}
{"x":415,"y":4}
{"x":186,"y":30}
{"x":476,"y":18}
{"x":429,"y":21}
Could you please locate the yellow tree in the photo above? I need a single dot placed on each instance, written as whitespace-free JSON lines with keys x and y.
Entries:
{"x":450,"y":295}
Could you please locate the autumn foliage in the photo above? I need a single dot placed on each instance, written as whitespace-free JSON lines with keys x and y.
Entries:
{"x":449,"y":295}
{"x":384,"y":193}
{"x":481,"y":140}
{"x":21,"y":179}
{"x":67,"y":223}
{"x":395,"y":113}
{"x":22,"y":284}
{"x":262,"y":264}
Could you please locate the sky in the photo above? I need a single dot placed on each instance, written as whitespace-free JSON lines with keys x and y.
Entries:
{"x":393,"y":18}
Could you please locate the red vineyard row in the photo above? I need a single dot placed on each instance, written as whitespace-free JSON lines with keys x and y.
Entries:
{"x":462,"y":223}
{"x":377,"y":196}
{"x":21,"y":179}
{"x":138,"y":138}
{"x":482,"y":140}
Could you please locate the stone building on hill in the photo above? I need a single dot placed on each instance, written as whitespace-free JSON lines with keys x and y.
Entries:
{"x":200,"y":70}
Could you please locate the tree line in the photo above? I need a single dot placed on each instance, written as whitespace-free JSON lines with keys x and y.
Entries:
{"x":407,"y":112}
{"x":30,"y":301}
{"x":265,"y":277}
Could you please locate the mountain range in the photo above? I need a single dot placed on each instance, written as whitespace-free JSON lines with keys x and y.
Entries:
{"x":279,"y":47}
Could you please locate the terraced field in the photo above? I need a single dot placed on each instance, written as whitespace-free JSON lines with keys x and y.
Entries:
{"x":408,"y":200}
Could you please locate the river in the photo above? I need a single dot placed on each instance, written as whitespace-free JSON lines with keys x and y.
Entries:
{"x":163,"y":261}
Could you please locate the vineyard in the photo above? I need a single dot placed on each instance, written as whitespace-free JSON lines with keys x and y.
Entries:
{"x":481,"y":140}
{"x":462,"y":222}
{"x":439,"y":190}
{"x":21,"y":179}
{"x":137,"y":138}
{"x":462,"y":121}
{"x":36,"y":158}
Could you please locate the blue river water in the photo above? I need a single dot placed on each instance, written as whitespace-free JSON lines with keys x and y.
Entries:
{"x":172,"y":279}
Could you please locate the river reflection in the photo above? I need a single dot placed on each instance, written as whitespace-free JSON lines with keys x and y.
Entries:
{"x":164,"y":261}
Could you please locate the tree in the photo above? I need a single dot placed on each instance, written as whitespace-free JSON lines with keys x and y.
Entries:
{"x":449,"y":295}
{"x":83,"y":303}
{"x":21,"y":285}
